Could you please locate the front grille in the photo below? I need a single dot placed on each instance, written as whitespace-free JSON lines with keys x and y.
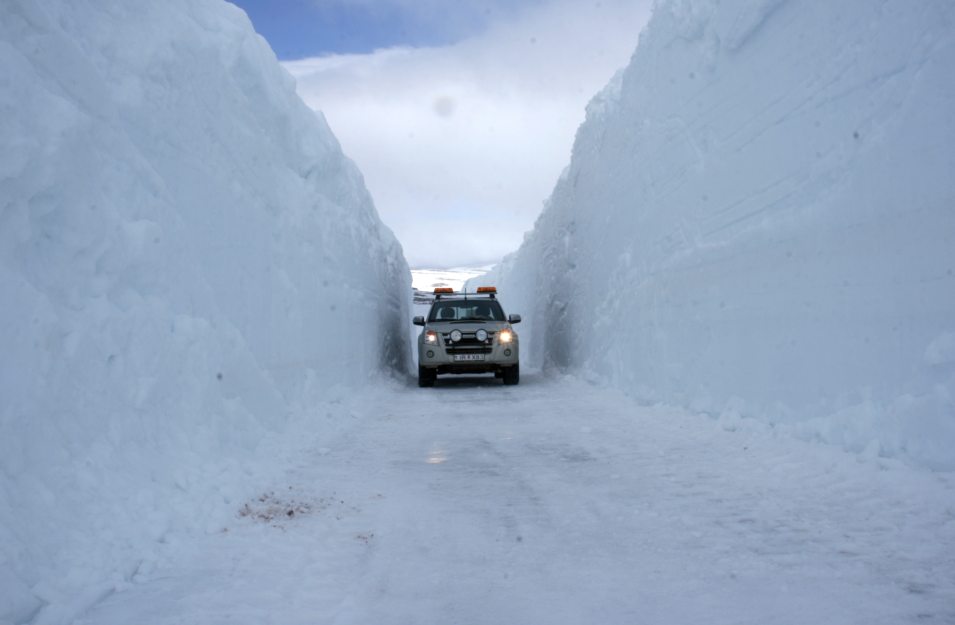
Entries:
{"x":468,"y":344}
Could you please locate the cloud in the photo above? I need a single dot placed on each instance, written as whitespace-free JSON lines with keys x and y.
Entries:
{"x":461,"y":144}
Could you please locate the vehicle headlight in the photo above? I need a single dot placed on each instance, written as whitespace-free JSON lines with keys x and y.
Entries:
{"x":506,"y":336}
{"x":455,"y":335}
{"x":481,"y":335}
{"x":430,"y":337}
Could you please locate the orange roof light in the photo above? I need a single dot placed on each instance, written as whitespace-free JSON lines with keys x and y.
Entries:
{"x":444,"y":290}
{"x":487,"y":289}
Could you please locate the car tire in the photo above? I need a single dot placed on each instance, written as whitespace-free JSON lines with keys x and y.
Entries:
{"x":426,"y":376}
{"x":512,"y":375}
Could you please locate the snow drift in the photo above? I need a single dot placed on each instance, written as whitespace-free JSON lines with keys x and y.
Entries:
{"x":186,"y":256}
{"x":759,"y":219}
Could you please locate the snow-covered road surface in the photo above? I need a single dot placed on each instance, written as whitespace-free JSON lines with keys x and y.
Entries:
{"x":559,"y":502}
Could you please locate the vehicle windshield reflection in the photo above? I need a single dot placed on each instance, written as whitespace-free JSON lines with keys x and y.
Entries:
{"x":466,"y":310}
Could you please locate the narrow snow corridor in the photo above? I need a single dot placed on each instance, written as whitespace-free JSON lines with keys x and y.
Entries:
{"x":557,"y":502}
{"x":757,"y":219}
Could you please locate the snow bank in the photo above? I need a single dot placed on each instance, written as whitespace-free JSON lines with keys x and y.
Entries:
{"x":759,"y":216}
{"x":185,"y":257}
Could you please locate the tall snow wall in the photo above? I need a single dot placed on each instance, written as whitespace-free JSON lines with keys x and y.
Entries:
{"x":185,"y":256}
{"x":759,"y":219}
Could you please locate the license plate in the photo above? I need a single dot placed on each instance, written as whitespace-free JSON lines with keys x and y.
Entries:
{"x":460,"y":357}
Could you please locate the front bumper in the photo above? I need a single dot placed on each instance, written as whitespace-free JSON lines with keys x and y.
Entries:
{"x":440,"y":354}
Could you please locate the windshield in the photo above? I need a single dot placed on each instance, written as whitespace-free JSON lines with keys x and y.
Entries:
{"x":462,"y":310}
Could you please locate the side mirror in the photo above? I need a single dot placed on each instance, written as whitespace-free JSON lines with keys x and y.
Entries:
{"x":514,"y":318}
{"x":418,"y":321}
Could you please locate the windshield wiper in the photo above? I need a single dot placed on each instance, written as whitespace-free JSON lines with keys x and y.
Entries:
{"x":469,"y":321}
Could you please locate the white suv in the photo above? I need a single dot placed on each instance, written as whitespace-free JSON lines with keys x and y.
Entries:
{"x":467,"y":333}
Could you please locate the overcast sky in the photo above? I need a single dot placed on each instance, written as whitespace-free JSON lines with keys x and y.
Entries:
{"x":460,"y":113}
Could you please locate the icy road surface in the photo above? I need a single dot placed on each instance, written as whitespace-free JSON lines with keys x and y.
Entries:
{"x":558,"y":502}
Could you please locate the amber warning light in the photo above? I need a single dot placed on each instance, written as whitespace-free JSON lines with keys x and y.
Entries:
{"x":487,"y":289}
{"x":445,"y":290}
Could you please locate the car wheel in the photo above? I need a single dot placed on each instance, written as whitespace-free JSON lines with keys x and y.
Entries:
{"x":512,"y":375}
{"x":426,"y":376}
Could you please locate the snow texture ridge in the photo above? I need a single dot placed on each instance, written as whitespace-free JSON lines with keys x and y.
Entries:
{"x":762,"y":222}
{"x":186,"y":256}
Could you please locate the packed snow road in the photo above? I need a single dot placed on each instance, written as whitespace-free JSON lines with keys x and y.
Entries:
{"x":558,"y":502}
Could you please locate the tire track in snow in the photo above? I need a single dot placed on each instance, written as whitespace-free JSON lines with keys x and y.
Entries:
{"x":558,"y":502}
